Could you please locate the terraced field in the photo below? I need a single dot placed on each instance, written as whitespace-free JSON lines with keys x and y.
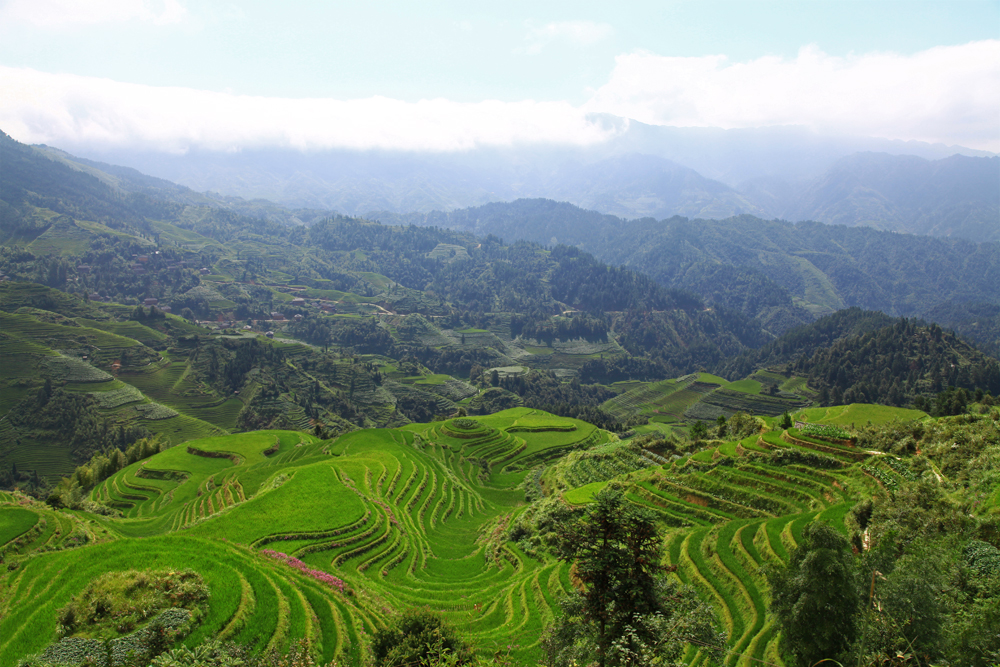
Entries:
{"x":395,"y":514}
{"x":304,"y":538}
{"x":705,"y":397}
{"x":857,"y":413}
{"x":730,"y":521}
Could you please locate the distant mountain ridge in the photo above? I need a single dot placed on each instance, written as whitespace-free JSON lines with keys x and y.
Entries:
{"x":783,"y":273}
{"x":955,"y":196}
{"x":644,"y":170}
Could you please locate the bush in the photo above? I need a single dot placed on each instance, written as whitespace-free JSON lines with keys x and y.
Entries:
{"x":418,"y":638}
{"x":117,"y":603}
{"x":816,"y":598}
{"x":218,"y":654}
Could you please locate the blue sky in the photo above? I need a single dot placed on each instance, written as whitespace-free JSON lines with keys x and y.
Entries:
{"x":587,"y":56}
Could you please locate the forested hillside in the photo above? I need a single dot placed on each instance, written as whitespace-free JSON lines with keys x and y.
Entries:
{"x":806,"y":339}
{"x":136,"y":308}
{"x":780,"y":273}
{"x":236,"y":434}
{"x":896,"y":365}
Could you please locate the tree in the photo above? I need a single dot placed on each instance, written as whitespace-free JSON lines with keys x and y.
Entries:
{"x":418,"y":638}
{"x":786,"y":420}
{"x":698,"y":430}
{"x":627,"y":612}
{"x":816,"y":599}
{"x":907,"y":614}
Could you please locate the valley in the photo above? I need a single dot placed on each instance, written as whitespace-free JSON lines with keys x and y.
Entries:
{"x":329,"y":422}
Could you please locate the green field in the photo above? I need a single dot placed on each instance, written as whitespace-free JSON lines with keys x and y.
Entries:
{"x":394,"y":513}
{"x":14,"y":522}
{"x":857,"y":414}
{"x":388,"y":519}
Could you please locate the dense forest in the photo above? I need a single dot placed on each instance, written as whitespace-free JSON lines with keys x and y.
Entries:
{"x":781,"y":273}
{"x":896,"y":364}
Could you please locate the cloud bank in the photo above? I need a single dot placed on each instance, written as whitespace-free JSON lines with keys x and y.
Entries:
{"x":68,"y":110}
{"x":946,"y":94}
{"x":949,"y":94}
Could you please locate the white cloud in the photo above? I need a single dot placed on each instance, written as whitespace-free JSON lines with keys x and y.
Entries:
{"x":59,"y":14}
{"x":69,"y":110}
{"x":949,"y":94}
{"x":946,"y":94}
{"x":582,"y":33}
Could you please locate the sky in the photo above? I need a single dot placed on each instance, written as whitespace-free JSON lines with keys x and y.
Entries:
{"x":172,"y":75}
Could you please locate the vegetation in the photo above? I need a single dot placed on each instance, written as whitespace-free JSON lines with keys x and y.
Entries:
{"x":625,"y":614}
{"x":348,"y":432}
{"x":418,"y":638}
{"x":817,"y":597}
{"x":779,"y":273}
{"x":896,"y":364}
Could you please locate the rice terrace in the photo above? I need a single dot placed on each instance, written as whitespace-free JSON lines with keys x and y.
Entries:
{"x":499,"y":334}
{"x":299,"y":538}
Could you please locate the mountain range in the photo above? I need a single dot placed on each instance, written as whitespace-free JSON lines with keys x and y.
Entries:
{"x":786,"y":172}
{"x":267,"y":435}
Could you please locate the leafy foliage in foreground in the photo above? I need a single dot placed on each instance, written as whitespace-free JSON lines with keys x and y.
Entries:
{"x":117,"y":602}
{"x":817,"y":597}
{"x":418,"y":638}
{"x":625,"y":613}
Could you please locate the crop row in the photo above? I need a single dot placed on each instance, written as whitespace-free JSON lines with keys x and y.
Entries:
{"x":254,"y":600}
{"x":885,"y":478}
{"x":826,"y":431}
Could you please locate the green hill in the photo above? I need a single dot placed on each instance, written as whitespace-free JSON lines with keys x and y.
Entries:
{"x":781,"y":273}
{"x":321,"y":540}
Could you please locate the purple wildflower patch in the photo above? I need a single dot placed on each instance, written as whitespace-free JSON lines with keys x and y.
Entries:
{"x":318,"y":575}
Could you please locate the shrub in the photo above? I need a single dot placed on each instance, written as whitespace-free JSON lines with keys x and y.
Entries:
{"x":418,"y":638}
{"x":116,"y":603}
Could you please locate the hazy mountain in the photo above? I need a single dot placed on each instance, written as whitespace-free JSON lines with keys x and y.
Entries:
{"x":954,"y":196}
{"x":643,"y":170}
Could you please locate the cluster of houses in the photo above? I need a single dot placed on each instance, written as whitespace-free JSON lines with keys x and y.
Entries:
{"x":140,"y":262}
{"x":299,"y":302}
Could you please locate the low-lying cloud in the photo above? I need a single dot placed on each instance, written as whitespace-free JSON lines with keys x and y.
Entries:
{"x":946,"y":94}
{"x":69,"y":110}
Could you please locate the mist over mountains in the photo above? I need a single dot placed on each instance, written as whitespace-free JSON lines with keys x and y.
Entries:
{"x":645,"y":171}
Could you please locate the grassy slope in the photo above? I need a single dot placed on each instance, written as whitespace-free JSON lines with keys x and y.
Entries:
{"x":408,"y":510}
{"x":401,"y":516}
